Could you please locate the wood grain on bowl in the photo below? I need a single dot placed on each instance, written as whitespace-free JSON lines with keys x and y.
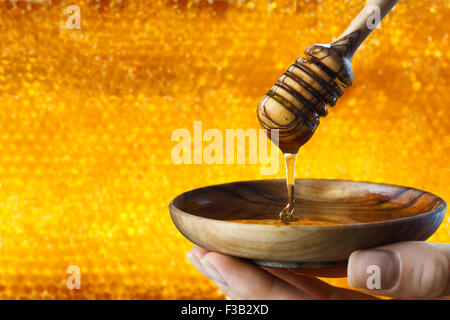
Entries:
{"x":335,"y":218}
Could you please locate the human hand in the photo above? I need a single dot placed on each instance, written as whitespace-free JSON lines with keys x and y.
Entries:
{"x":408,"y":270}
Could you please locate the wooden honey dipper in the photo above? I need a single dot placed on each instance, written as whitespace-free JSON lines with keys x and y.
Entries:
{"x":295,"y":103}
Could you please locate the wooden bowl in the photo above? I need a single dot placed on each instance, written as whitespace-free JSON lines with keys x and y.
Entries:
{"x":337,"y":217}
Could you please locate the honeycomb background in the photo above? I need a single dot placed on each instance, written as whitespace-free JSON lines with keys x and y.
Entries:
{"x":86,"y":118}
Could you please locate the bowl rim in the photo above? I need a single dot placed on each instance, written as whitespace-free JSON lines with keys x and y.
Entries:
{"x":440,"y":209}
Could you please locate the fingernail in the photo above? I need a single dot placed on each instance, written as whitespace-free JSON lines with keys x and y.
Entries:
{"x":196,"y":263}
{"x":212,"y":271}
{"x":373,"y":269}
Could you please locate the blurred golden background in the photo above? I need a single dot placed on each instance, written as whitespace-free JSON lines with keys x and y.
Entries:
{"x":86,"y":117}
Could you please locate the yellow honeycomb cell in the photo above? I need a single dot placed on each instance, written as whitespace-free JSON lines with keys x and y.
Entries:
{"x":87,"y":114}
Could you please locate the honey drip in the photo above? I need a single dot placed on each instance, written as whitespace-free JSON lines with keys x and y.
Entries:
{"x":287,"y":214}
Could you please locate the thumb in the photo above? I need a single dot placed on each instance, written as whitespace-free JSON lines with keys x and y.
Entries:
{"x":410,"y":269}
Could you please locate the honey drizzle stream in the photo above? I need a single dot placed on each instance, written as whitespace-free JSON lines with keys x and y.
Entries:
{"x":287,"y":214}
